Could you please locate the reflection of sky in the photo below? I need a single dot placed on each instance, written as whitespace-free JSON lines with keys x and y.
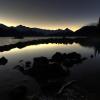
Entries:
{"x":29,"y":52}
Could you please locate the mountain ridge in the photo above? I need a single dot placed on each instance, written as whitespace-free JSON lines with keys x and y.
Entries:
{"x":21,"y":31}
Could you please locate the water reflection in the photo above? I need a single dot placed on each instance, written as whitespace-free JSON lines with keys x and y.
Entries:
{"x":52,"y":74}
{"x":82,"y":42}
{"x":12,"y":40}
{"x":29,"y":52}
{"x":87,"y":73}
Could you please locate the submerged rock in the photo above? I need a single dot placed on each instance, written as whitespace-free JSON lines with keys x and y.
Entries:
{"x":3,"y":61}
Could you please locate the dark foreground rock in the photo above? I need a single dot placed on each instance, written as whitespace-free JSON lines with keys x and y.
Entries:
{"x":3,"y":61}
{"x":57,"y":57}
{"x":48,"y":69}
{"x":51,"y":72}
{"x":52,"y":76}
{"x":40,"y":64}
{"x":28,"y":64}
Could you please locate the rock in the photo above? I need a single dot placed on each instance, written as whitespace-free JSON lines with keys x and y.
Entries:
{"x":21,"y":61}
{"x":57,"y":57}
{"x":40,"y":64}
{"x":64,"y":56}
{"x":3,"y":61}
{"x":74,"y":55}
{"x":91,"y":56}
{"x":28,"y":64}
{"x":19,"y":67}
{"x":43,"y":70}
{"x":71,"y":62}
{"x":55,"y":71}
{"x":67,"y":63}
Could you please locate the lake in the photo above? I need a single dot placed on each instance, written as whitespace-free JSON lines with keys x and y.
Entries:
{"x":87,"y":73}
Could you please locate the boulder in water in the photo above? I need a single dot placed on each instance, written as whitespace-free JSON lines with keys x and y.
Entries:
{"x":57,"y":57}
{"x":3,"y":61}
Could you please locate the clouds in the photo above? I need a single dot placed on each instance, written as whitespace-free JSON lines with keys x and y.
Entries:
{"x":51,"y":11}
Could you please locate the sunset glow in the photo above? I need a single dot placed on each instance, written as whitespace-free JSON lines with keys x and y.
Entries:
{"x":45,"y":26}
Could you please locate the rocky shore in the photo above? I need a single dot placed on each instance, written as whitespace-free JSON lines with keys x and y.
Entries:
{"x":52,"y":77}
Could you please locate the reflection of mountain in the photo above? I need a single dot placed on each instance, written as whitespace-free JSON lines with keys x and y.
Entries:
{"x":21,"y":31}
{"x":87,"y":42}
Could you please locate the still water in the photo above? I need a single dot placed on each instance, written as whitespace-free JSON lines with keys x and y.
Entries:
{"x":87,"y":73}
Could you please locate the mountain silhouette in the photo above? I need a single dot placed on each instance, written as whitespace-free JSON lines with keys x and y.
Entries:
{"x":92,"y":30}
{"x":21,"y":31}
{"x":87,"y":31}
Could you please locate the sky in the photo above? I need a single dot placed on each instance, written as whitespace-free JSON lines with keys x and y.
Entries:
{"x":49,"y":14}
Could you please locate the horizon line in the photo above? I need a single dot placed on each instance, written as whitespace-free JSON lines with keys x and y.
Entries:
{"x":44,"y":28}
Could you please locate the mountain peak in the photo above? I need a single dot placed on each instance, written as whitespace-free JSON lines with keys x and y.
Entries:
{"x":67,"y":29}
{"x":21,"y":26}
{"x":3,"y":26}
